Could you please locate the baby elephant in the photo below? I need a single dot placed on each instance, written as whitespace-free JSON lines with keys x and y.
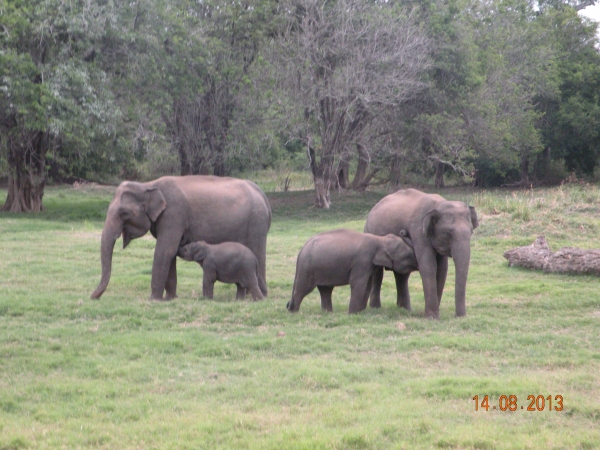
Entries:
{"x":228,"y":262}
{"x":340,"y":257}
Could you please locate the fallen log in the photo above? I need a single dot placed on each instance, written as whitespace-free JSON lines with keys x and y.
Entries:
{"x":539,"y":256}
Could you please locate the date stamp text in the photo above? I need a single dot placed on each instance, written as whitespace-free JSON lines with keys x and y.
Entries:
{"x":511,"y":403}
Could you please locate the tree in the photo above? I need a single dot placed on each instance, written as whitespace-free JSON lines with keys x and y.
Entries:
{"x":53,"y":92}
{"x":201,"y":72}
{"x":436,"y":131}
{"x":492,"y":63}
{"x":577,"y":5}
{"x":517,"y":66}
{"x":342,"y":64}
{"x":570,"y":126}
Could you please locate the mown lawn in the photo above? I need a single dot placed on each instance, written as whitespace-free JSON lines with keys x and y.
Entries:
{"x":124,"y":372}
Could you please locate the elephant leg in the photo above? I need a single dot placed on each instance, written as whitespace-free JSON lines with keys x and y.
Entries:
{"x":255,"y":291}
{"x":428,"y":269}
{"x":325,"y":292}
{"x":300,"y":290}
{"x":442,"y":272}
{"x":376,"y":291}
{"x":368,"y":290}
{"x":240,"y":293}
{"x":164,"y":268}
{"x":359,"y":293}
{"x":403,"y":296}
{"x":208,"y":283}
{"x":260,"y":251}
{"x":171,"y":285}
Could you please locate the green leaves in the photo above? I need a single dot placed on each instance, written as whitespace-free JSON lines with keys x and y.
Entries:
{"x":496,"y":82}
{"x":47,"y":83}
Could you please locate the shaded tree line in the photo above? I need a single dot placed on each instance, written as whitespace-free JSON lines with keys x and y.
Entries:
{"x":488,"y":92}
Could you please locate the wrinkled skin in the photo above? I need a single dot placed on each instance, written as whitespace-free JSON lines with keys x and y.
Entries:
{"x":228,"y":262}
{"x":340,"y":257}
{"x":179,"y":210}
{"x":439,"y":229}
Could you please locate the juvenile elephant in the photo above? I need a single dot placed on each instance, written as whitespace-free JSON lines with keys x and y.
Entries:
{"x":340,"y":257}
{"x":439,"y":229}
{"x":179,"y":210}
{"x":228,"y":262}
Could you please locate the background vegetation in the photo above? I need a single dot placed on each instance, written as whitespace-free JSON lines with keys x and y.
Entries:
{"x":358,"y":93}
{"x":125,"y":372}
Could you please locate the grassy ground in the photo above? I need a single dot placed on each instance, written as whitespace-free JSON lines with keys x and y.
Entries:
{"x":125,"y":372}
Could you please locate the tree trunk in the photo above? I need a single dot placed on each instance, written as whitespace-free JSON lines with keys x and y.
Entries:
{"x":220,"y":141}
{"x":395,"y":174}
{"x":525,"y":169}
{"x":541,"y":165}
{"x":186,"y":168}
{"x":322,"y":198}
{"x":322,"y":178}
{"x":219,"y":164}
{"x":566,"y":260}
{"x":27,"y":172}
{"x":342,"y":175}
{"x":439,"y":174}
{"x":361,"y":169}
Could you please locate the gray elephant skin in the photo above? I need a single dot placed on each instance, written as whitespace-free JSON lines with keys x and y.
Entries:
{"x":228,"y":262}
{"x":180,"y":210}
{"x":439,"y":229}
{"x":340,"y":257}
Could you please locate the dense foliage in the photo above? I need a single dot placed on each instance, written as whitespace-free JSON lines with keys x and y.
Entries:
{"x":56,"y":100}
{"x":482,"y":91}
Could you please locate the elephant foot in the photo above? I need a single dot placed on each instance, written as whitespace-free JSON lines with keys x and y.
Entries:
{"x":375,"y":303}
{"x":291,"y":307}
{"x":162,"y":299}
{"x":433,"y":315}
{"x":355,"y":309}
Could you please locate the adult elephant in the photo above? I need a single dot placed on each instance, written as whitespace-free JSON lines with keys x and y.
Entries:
{"x":179,"y":210}
{"x":439,"y":229}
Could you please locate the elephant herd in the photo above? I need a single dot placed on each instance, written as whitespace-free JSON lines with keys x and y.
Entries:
{"x":222,"y":223}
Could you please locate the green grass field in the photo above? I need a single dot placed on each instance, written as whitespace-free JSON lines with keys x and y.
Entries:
{"x":124,"y":372}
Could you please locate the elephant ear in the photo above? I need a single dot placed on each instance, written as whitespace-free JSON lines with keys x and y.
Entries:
{"x":429,"y":222}
{"x":382,"y":257}
{"x":474,"y":220}
{"x":155,"y":203}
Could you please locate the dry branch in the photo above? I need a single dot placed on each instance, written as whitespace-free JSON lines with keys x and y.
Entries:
{"x":539,"y":256}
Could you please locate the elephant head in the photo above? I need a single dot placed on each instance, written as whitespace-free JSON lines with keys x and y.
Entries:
{"x":449,"y":227}
{"x":196,"y":251}
{"x":397,"y":253}
{"x":131,"y":213}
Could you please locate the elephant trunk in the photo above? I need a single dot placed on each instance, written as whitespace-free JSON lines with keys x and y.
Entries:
{"x":110,"y":233}
{"x":461,"y":254}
